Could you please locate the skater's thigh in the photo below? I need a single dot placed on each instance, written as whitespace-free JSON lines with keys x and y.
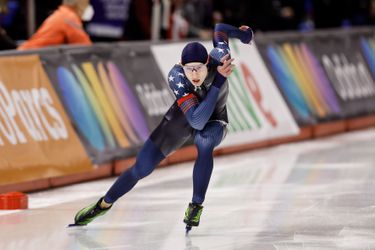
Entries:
{"x":172,"y":134}
{"x":212,"y":134}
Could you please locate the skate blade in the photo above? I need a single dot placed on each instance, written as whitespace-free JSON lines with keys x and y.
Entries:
{"x":188,"y":228}
{"x":75,"y":225}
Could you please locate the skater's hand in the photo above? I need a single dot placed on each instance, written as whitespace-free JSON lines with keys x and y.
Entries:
{"x":244,"y":27}
{"x":227,"y":67}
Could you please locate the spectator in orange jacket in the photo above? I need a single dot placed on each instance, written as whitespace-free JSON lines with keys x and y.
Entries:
{"x":64,"y":26}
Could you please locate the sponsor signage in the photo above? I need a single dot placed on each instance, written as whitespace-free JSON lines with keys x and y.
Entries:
{"x":114,"y":95}
{"x":36,"y":137}
{"x":302,"y":79}
{"x":139,"y":67}
{"x":99,"y":101}
{"x":345,"y":67}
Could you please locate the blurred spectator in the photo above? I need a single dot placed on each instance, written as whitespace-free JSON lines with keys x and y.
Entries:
{"x":64,"y":26}
{"x":336,"y":13}
{"x":138,"y":25}
{"x":192,"y":18}
{"x":371,"y":19}
{"x":5,"y":41}
{"x":262,"y":15}
{"x":199,"y":15}
{"x":179,"y":25}
{"x":307,"y":23}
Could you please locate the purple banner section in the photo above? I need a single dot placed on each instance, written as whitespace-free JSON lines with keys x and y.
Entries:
{"x":140,"y":68}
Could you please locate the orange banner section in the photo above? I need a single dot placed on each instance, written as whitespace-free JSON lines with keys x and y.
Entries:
{"x":36,"y":138}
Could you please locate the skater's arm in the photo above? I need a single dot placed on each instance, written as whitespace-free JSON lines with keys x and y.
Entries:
{"x":221,"y":44}
{"x":197,"y":113}
{"x":225,"y":31}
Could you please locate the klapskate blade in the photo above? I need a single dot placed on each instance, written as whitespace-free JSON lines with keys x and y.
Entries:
{"x":187,"y":228}
{"x":75,"y":225}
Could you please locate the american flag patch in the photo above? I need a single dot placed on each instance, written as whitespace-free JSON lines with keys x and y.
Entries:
{"x":187,"y":102}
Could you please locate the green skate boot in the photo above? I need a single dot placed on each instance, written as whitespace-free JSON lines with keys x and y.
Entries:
{"x":192,"y":216}
{"x":89,"y":213}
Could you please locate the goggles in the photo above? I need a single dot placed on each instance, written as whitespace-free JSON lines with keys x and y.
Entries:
{"x":189,"y":69}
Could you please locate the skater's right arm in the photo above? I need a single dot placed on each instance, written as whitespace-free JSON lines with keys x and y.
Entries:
{"x":197,"y":113}
{"x":221,"y":40}
{"x":224,"y":31}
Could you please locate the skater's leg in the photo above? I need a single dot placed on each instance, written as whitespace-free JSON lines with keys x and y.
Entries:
{"x":205,"y":140}
{"x":166,"y":138}
{"x":147,"y":159}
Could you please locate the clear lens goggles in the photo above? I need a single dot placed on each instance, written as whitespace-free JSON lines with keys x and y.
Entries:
{"x":189,"y":69}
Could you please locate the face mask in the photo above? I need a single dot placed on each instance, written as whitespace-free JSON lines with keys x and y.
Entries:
{"x":88,"y":13}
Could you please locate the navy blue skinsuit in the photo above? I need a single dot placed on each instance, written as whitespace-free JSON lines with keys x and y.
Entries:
{"x":198,"y":114}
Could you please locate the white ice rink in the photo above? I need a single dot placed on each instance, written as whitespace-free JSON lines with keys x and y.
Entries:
{"x":311,"y":195}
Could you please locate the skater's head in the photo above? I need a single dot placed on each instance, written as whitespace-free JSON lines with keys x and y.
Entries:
{"x":194,"y":60}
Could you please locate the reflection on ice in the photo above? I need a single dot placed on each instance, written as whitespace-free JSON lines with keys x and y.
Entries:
{"x":308,"y":195}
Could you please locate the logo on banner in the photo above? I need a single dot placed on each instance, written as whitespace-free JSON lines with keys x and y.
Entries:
{"x":29,"y":113}
{"x":155,"y":101}
{"x":352,"y":80}
{"x":245,"y":94}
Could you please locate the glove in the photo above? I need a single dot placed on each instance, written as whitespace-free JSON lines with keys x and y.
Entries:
{"x":249,"y":37}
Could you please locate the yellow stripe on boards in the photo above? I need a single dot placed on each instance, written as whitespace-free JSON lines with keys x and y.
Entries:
{"x":116,"y":106}
{"x":291,"y":73}
{"x":300,"y":78}
{"x":315,"y":93}
{"x":88,"y":68}
{"x":94,"y":104}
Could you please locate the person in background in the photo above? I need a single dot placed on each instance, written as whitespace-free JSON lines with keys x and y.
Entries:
{"x":191,"y":19}
{"x":199,"y":113}
{"x":5,"y":41}
{"x":138,"y":25}
{"x":64,"y":26}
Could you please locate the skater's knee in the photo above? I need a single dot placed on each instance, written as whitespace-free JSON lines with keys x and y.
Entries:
{"x":141,"y":171}
{"x":147,"y":159}
{"x":205,"y":143}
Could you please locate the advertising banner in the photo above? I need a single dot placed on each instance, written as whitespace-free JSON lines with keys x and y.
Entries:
{"x":367,"y":45}
{"x":93,"y":92}
{"x":368,"y":51}
{"x":36,"y":137}
{"x":256,"y":109}
{"x":114,"y":94}
{"x":301,"y":78}
{"x":139,"y":67}
{"x":342,"y":59}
